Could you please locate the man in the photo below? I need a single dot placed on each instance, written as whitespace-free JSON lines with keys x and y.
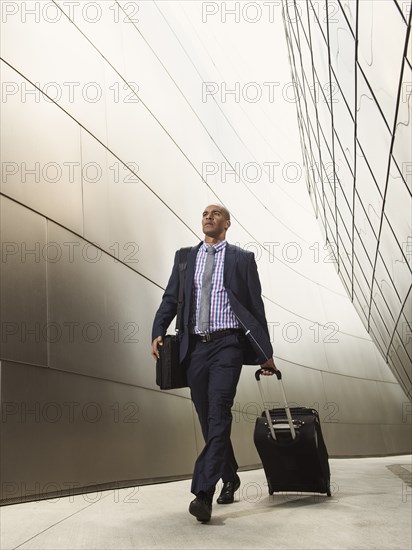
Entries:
{"x":223,"y":327}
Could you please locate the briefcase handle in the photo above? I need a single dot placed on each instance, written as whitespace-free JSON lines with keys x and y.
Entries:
{"x":285,"y":403}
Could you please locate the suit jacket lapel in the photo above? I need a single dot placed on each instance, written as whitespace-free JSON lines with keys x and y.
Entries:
{"x":190,"y":273}
{"x":190,"y":268}
{"x":230,"y":261}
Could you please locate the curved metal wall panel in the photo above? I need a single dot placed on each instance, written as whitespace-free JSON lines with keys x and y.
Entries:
{"x":64,"y":432}
{"x":23,"y":291}
{"x":106,"y":168}
{"x":41,"y":162}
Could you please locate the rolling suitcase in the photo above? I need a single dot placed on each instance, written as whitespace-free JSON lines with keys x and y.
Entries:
{"x":291,"y":447}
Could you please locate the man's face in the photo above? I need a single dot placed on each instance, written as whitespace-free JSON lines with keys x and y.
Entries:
{"x":214,"y":222}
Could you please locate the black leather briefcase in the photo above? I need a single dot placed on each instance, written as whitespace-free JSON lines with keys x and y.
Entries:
{"x":170,"y":374}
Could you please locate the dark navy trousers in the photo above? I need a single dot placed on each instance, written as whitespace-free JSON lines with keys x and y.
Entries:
{"x":213,"y":370}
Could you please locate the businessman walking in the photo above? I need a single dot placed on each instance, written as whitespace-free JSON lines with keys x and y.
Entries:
{"x":224,"y":326}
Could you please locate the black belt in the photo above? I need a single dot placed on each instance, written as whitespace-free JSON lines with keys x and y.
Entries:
{"x":216,"y":334}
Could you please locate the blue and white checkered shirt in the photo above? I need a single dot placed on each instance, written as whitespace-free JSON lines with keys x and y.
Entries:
{"x":221,"y":314}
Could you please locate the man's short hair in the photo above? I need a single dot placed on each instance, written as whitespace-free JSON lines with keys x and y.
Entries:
{"x":225,"y":211}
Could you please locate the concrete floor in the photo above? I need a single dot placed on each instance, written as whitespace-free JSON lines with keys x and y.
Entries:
{"x":370,"y":508}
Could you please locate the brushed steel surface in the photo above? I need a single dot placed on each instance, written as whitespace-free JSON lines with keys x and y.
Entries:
{"x":41,"y":161}
{"x":61,"y":428}
{"x":23,"y":271}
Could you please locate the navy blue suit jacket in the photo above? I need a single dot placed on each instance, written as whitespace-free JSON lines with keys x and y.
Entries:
{"x":241,"y":281}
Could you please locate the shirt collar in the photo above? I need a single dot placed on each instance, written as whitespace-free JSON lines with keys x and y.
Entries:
{"x":218,"y":246}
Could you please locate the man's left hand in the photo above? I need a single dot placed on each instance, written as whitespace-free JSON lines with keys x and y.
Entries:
{"x":269,"y":368}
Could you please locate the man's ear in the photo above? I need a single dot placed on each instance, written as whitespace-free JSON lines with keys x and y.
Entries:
{"x":228,"y":221}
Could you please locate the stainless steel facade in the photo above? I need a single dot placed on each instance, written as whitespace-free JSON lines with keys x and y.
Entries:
{"x":351,"y":66}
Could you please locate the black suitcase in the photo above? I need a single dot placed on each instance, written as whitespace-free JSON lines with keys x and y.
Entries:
{"x":291,"y":447}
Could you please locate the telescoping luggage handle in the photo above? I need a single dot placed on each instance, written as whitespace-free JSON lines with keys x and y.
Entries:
{"x":267,"y":413}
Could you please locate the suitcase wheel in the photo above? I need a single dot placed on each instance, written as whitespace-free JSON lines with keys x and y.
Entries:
{"x":328,"y":493}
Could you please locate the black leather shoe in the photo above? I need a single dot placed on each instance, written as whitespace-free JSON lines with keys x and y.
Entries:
{"x":201,"y":507}
{"x":227,"y":494}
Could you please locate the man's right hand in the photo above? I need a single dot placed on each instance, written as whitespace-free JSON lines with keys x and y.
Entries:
{"x":269,"y":368}
{"x":157,"y":341}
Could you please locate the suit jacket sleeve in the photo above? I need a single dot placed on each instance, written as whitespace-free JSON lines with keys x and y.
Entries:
{"x":168,"y":307}
{"x":256,"y":306}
